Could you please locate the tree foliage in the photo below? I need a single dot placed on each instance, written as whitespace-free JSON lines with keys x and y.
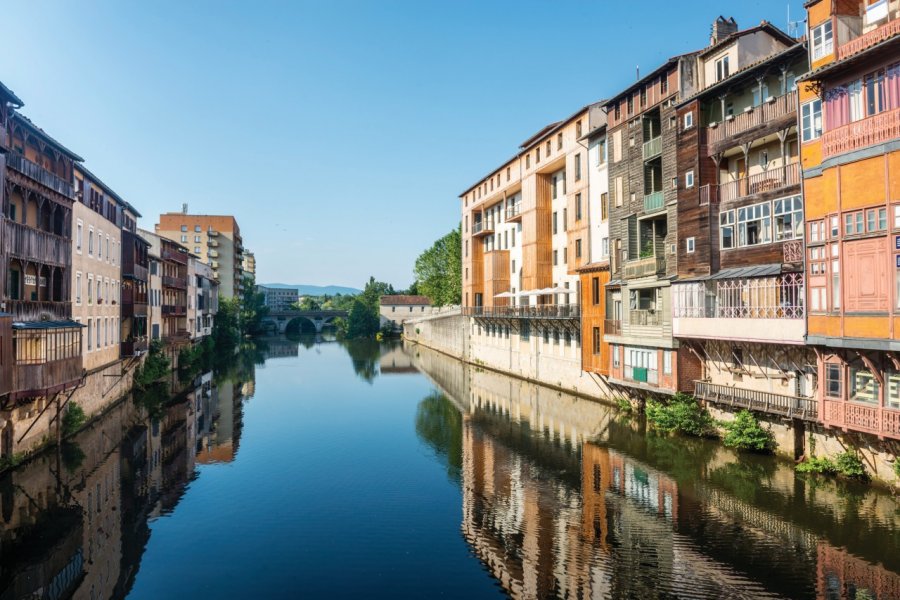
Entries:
{"x":252,"y":308}
{"x":683,"y":414}
{"x":745,"y":433}
{"x":438,"y":270}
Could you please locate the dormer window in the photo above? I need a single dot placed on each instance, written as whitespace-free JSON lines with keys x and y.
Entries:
{"x":722,"y":68}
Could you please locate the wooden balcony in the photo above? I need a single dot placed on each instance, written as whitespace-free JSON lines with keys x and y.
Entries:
{"x":174,"y":256}
{"x":181,"y":336}
{"x":653,"y":265}
{"x":876,"y":129}
{"x":867,"y":40}
{"x":652,"y":148}
{"x":33,"y":310}
{"x":767,"y":113}
{"x":179,"y":283}
{"x":32,"y":380}
{"x":540,"y":311}
{"x":771,"y":180}
{"x":612,"y":327}
{"x":794,"y":407}
{"x":709,"y":194}
{"x":883,"y":422}
{"x":22,"y":241}
{"x":139,"y":272}
{"x":174,"y":309}
{"x":33,"y":171}
{"x":654,"y":202}
{"x":135,"y":346}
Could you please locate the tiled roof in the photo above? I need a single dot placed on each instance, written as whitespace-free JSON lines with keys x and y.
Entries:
{"x":401,"y":300}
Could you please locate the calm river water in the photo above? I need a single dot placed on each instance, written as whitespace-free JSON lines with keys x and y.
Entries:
{"x":320,"y":469}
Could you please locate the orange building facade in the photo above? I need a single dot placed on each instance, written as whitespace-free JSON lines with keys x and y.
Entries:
{"x":849,"y":123}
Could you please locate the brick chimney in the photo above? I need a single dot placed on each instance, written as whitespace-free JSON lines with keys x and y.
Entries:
{"x":721,"y":29}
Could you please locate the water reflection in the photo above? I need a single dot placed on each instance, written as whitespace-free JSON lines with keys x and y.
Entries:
{"x":563,"y":498}
{"x":75,"y":519}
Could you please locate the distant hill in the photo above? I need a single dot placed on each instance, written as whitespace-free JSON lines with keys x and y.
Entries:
{"x":315,"y":290}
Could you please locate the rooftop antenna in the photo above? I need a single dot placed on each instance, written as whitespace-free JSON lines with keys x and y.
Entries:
{"x":793,"y":26}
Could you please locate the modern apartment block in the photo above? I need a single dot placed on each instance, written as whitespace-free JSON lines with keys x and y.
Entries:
{"x":215,"y":239}
{"x":278,"y":298}
{"x":249,"y":265}
{"x":641,"y":135}
{"x":738,"y":302}
{"x":850,"y":150}
{"x":97,"y":268}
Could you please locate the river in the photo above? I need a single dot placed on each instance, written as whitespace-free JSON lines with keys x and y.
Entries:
{"x":314,"y":468}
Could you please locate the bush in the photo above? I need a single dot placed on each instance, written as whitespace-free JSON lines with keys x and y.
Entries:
{"x":155,"y":367}
{"x":683,"y":414}
{"x":10,"y":461}
{"x":73,"y":419}
{"x":847,"y":464}
{"x":745,"y":433}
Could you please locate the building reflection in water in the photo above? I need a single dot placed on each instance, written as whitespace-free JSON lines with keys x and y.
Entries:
{"x":560,"y":498}
{"x":74,"y":521}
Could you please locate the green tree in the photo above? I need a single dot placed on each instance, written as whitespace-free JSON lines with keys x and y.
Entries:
{"x":438,"y":270}
{"x":252,"y":308}
{"x":227,"y":326}
{"x":310,"y":303}
{"x":362,"y":321}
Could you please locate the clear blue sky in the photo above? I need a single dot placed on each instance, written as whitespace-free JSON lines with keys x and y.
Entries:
{"x":338,"y":133}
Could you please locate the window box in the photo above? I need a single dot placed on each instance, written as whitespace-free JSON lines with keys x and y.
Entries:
{"x":713,"y":125}
{"x":770,"y":99}
{"x":749,"y":109}
{"x":729,"y":118}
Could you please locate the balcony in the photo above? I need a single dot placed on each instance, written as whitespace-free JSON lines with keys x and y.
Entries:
{"x":540,"y":311}
{"x":34,"y":310}
{"x":765,"y":114}
{"x":174,"y":256}
{"x":482,"y":228}
{"x":514,"y":212}
{"x":212,"y":243}
{"x":179,"y":283}
{"x":788,"y":406}
{"x":709,"y":194}
{"x":770,"y":180}
{"x":214,"y":253}
{"x":653,"y":148}
{"x":174,"y":310}
{"x":612,"y":327}
{"x":653,"y":265}
{"x":212,"y":233}
{"x":876,"y":129}
{"x":41,"y":379}
{"x":26,"y":242}
{"x":654,"y":202}
{"x":645,"y":318}
{"x":867,"y":40}
{"x":136,"y":346}
{"x":139,"y":272}
{"x":39,"y":174}
{"x":862,"y":417}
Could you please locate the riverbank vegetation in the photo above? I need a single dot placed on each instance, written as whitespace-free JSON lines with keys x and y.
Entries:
{"x":438,"y":270}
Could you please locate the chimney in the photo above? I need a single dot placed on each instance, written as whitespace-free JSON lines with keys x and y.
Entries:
{"x":721,"y":29}
{"x":184,"y":208}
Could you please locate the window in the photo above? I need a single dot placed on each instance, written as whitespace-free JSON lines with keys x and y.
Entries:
{"x":855,"y":100}
{"x":689,"y":179}
{"x":811,"y":120}
{"x":691,"y":245}
{"x":853,"y":223}
{"x":604,"y":246}
{"x":196,"y":249}
{"x":630,"y":104}
{"x":604,"y":208}
{"x":863,"y":387}
{"x":667,"y":362}
{"x":555,"y":227}
{"x":619,"y":192}
{"x":527,"y":161}
{"x":99,"y":245}
{"x":537,"y":159}
{"x":896,"y":216}
{"x":548,"y":154}
{"x":577,"y":207}
{"x":508,"y":173}
{"x":578,"y":167}
{"x":565,"y":219}
{"x":578,"y":248}
{"x":688,"y":120}
{"x":876,"y":219}
{"x":595,"y":345}
{"x":196,"y":239}
{"x":722,"y":70}
{"x":565,"y":255}
{"x":754,"y":225}
{"x":78,"y":233}
{"x":578,"y":129}
{"x":788,"y":218}
{"x":834,"y":226}
{"x":595,"y":291}
{"x":559,"y":141}
{"x":184,"y":239}
{"x":760,"y":93}
{"x":726,"y":229}
{"x":91,"y":242}
{"x":184,"y":227}
{"x":615,"y":353}
{"x":77,"y":288}
{"x":555,"y":257}
{"x":816,"y":231}
{"x":88,"y":334}
{"x":835,"y":281}
{"x":90,"y":289}
{"x":822,"y":40}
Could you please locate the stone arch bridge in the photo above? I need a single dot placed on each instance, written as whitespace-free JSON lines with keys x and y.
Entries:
{"x":278,"y":321}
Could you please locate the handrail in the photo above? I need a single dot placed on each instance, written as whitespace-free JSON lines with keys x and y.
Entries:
{"x":791,"y":406}
{"x":40,"y":174}
{"x":876,"y":129}
{"x":770,"y":179}
{"x":759,"y":115}
{"x":540,"y":311}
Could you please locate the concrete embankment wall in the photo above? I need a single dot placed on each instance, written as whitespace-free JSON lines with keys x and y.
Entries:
{"x":551,"y":362}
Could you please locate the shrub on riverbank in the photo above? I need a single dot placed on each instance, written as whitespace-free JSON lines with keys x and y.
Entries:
{"x":745,"y":433}
{"x":847,"y":464}
{"x":682,"y":414}
{"x":155,"y":367}
{"x":73,"y":419}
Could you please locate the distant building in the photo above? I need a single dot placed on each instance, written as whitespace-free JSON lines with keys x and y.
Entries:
{"x":215,"y":239}
{"x":249,"y":264}
{"x":279,"y":298}
{"x":398,"y":308}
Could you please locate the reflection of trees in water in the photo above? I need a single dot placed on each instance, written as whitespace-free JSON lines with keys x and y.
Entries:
{"x":439,"y":424}
{"x":364,"y":355}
